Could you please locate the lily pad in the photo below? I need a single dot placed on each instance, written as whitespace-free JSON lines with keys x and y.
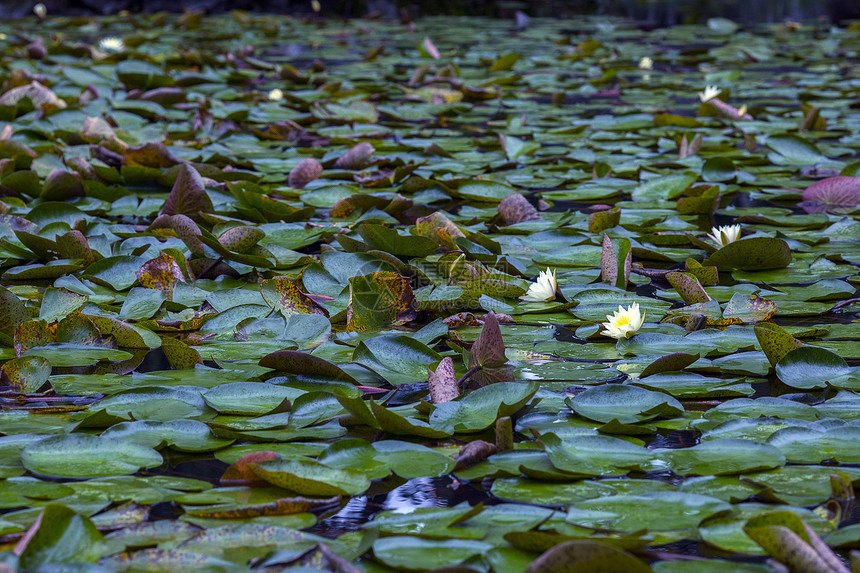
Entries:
{"x":753,"y":254}
{"x":627,"y":404}
{"x":84,"y":455}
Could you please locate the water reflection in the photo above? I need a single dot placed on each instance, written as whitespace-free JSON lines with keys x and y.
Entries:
{"x":444,"y":491}
{"x":421,"y":492}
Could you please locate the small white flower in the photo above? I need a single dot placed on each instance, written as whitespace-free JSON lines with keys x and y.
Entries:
{"x":710,"y":93}
{"x":624,"y":323}
{"x":724,"y":235}
{"x":40,"y":10}
{"x":646,"y":63}
{"x":275,"y":95}
{"x":111,"y":44}
{"x":544,"y":289}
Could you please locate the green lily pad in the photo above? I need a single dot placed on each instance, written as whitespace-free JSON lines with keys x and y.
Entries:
{"x":656,"y":511}
{"x":84,"y":455}
{"x":307,"y":477}
{"x":724,"y":456}
{"x":753,"y":254}
{"x":810,"y":367}
{"x":627,"y":404}
{"x":417,"y":554}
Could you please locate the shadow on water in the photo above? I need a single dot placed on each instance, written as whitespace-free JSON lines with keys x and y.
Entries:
{"x":154,"y":361}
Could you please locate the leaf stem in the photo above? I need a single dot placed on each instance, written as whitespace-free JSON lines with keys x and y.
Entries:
{"x":469,"y":373}
{"x":651,"y":273}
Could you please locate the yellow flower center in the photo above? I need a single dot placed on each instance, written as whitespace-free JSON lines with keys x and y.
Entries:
{"x":622,"y":320}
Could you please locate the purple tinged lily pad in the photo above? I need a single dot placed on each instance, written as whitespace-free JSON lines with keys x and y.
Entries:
{"x":833,"y":194}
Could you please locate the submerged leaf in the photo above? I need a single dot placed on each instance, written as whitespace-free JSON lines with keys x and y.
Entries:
{"x":284,"y":295}
{"x":378,"y":300}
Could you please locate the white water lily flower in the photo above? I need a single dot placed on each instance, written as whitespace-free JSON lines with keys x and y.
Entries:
{"x":275,"y":95}
{"x":710,"y":93}
{"x":624,"y":323}
{"x":646,"y":63}
{"x":544,"y":289}
{"x":724,"y":235}
{"x":111,"y":44}
{"x":40,"y":10}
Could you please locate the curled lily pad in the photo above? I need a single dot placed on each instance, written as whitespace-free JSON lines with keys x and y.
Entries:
{"x":688,"y":287}
{"x":188,"y":195}
{"x":668,"y":363}
{"x":616,"y":261}
{"x":775,"y":341}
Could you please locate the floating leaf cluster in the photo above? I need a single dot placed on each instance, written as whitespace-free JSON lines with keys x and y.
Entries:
{"x":344,"y":261}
